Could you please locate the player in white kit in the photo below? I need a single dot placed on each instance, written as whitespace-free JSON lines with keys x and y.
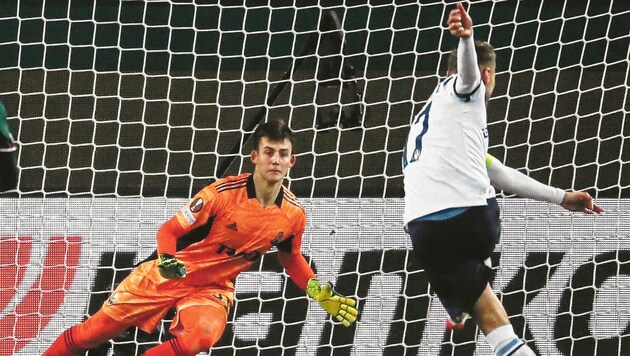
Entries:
{"x":451,"y":212}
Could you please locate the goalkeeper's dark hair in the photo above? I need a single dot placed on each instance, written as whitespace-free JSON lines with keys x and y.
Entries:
{"x":273,"y":130}
{"x":486,"y":56}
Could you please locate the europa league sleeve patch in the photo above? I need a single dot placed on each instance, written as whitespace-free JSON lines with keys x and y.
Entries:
{"x":196,"y":205}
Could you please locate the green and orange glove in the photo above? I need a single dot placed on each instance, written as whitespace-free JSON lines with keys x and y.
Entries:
{"x":341,"y":308}
{"x":170,"y":267}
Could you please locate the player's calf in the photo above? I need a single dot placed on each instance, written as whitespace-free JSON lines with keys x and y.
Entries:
{"x":96,"y":330}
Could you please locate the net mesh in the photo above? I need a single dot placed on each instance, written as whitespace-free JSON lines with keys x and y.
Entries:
{"x":158,"y":98}
{"x":119,"y":102}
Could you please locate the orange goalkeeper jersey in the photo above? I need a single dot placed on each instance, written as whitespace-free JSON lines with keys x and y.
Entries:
{"x":224,"y":230}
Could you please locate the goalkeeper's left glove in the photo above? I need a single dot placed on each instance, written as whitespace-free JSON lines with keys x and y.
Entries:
{"x":341,"y":308}
{"x":170,"y":267}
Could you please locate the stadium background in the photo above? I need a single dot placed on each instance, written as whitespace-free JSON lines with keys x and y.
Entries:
{"x":137,"y":100}
{"x":105,"y":108}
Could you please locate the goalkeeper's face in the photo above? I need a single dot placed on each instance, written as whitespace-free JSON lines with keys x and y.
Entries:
{"x":273,"y":159}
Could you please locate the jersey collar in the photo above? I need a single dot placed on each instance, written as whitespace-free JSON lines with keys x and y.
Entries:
{"x":251,"y":191}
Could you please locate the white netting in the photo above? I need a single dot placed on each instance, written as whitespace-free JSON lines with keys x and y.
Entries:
{"x":563,"y":279}
{"x":115,"y":102}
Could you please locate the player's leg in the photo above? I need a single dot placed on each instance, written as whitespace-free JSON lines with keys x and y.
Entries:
{"x":490,"y":316}
{"x":487,"y":311}
{"x":96,"y":330}
{"x":199,"y":323}
{"x":455,"y":253}
{"x":203,"y":326}
{"x":197,"y":327}
{"x":493,"y":321}
{"x":455,"y":271}
{"x":136,"y":301}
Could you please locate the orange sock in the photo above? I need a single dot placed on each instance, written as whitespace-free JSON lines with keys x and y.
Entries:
{"x":97,"y":329}
{"x":173,"y":347}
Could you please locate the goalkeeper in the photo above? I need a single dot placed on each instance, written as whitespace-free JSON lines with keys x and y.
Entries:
{"x":451,"y":212}
{"x":8,"y":153}
{"x":225,"y":228}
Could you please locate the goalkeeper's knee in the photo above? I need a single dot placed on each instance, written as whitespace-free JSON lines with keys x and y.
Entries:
{"x":202,"y":326}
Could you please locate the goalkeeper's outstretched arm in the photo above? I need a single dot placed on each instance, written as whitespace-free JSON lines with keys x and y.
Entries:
{"x":168,"y":266}
{"x":513,"y":181}
{"x":341,"y":308}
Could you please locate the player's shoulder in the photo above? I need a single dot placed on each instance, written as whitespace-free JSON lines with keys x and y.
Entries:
{"x":230,"y":184}
{"x":291,"y":202}
{"x":448,"y":84}
{"x":446,"y":88}
{"x":451,"y":79}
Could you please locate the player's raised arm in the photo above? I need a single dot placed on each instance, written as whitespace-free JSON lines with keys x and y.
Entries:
{"x":191,"y":216}
{"x":513,"y":181}
{"x":459,"y":22}
{"x":169,"y":266}
{"x":460,"y":25}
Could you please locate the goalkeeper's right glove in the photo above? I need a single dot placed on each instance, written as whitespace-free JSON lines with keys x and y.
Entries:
{"x":341,"y":308}
{"x":170,"y":267}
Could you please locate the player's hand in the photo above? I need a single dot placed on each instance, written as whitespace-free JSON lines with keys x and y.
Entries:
{"x":341,"y":308}
{"x":580,"y":201}
{"x":459,"y":22}
{"x":170,"y":267}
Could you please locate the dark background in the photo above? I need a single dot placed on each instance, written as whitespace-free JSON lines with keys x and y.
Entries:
{"x":150,"y":98}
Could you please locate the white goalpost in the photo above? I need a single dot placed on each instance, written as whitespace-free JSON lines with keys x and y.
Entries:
{"x":123,"y":110}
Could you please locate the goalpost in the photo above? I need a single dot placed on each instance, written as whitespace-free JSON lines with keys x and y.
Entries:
{"x":123,"y":110}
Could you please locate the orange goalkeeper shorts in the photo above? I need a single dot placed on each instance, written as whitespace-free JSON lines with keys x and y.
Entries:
{"x":144,"y":297}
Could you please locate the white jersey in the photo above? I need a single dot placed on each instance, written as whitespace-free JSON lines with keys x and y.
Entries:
{"x":444,"y":157}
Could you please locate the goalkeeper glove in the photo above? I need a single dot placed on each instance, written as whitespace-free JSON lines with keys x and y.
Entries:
{"x":341,"y":308}
{"x":170,"y":267}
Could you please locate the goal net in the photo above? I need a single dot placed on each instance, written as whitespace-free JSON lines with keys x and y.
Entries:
{"x":123,"y":110}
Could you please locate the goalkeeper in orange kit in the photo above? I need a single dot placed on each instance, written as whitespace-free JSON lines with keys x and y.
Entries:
{"x":225,"y":228}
